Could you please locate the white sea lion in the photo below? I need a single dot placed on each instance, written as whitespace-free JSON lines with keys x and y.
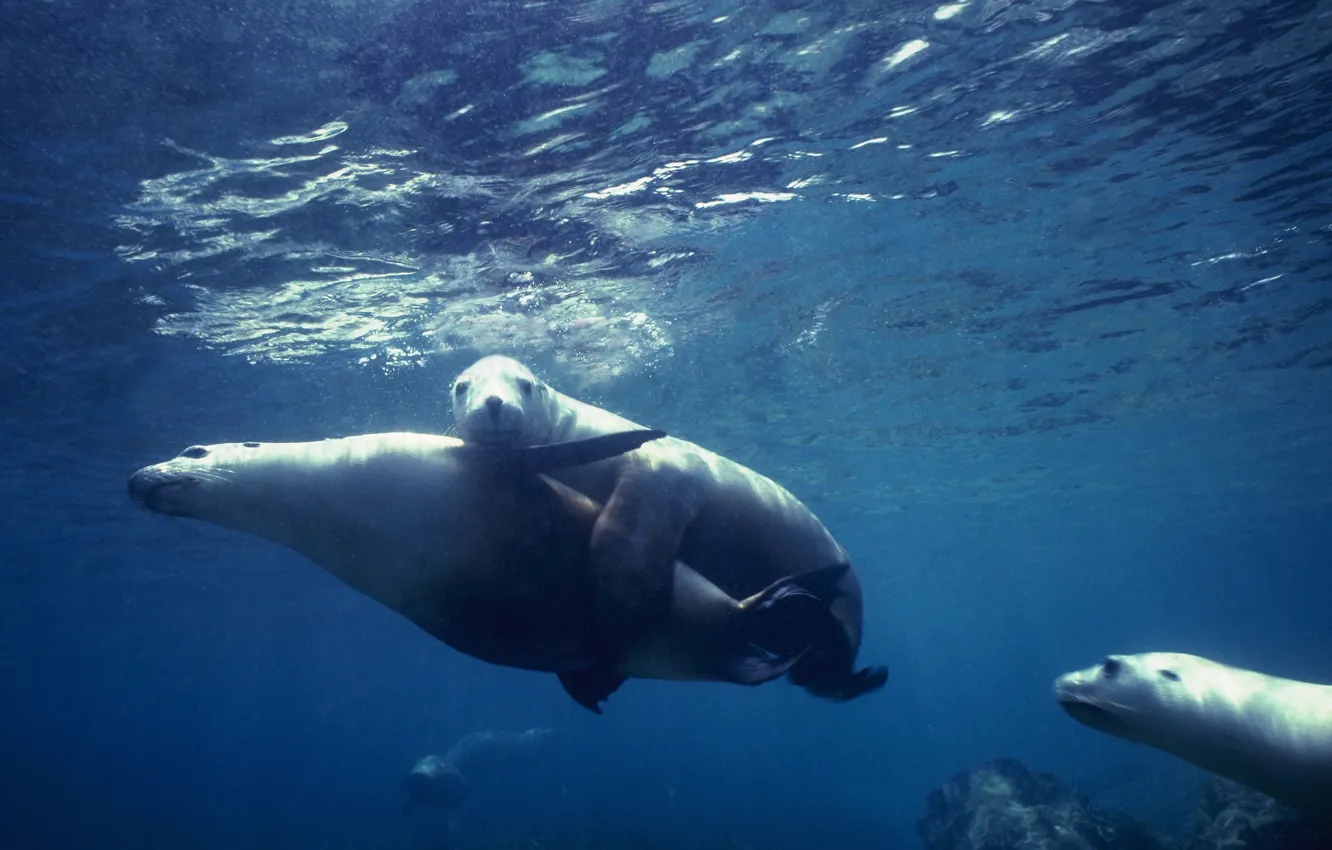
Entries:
{"x":479,"y":551}
{"x":444,"y":782}
{"x":668,"y":499}
{"x":1273,"y":735}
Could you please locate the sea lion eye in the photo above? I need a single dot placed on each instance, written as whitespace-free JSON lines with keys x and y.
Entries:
{"x":460,"y":389}
{"x":194,"y":452}
{"x":1169,"y":674}
{"x":1110,"y":668}
{"x":250,"y":445}
{"x":526,"y":386}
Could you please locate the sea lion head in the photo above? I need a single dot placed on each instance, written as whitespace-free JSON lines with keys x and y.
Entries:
{"x":435,"y":782}
{"x":298,"y":494}
{"x":1138,"y":697}
{"x":202,"y":481}
{"x":499,"y":401}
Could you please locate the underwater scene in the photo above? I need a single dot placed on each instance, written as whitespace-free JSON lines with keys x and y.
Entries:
{"x":666,"y":424}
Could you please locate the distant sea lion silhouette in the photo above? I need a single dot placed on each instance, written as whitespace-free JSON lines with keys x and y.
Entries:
{"x":477,"y":549}
{"x":669,"y":499}
{"x":1273,"y":735}
{"x":444,"y":782}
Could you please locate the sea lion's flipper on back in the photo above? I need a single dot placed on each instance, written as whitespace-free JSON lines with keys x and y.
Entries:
{"x":591,"y":686}
{"x":533,"y":460}
{"x":780,"y":623}
{"x":838,"y":685}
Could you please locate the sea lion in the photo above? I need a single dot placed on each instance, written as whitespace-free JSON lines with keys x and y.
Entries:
{"x":474,"y":547}
{"x":444,"y":782}
{"x":1273,"y":735}
{"x":668,"y":499}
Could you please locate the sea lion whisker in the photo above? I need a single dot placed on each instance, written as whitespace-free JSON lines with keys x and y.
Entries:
{"x":216,"y":474}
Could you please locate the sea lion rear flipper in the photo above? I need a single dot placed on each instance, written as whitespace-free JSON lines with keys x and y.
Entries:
{"x":591,"y":686}
{"x":533,"y":460}
{"x":828,"y":675}
{"x":864,"y":681}
{"x":827,"y":670}
{"x":781,"y":622}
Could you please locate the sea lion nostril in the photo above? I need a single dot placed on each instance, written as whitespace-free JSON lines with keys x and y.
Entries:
{"x":493,"y":405}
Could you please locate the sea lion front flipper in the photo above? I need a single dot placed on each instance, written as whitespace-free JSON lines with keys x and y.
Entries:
{"x":533,"y":460}
{"x":591,"y":686}
{"x":634,"y":545}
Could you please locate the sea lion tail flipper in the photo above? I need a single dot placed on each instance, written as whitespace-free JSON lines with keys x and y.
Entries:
{"x":533,"y":460}
{"x":828,"y":671}
{"x":591,"y":686}
{"x":830,"y":677}
{"x":780,"y":622}
{"x":864,"y":681}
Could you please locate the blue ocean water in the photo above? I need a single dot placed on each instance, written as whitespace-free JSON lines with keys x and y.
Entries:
{"x":1029,"y":301}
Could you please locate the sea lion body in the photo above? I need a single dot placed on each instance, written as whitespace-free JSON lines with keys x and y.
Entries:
{"x":673,"y":499}
{"x":492,"y":563}
{"x":1271,"y":734}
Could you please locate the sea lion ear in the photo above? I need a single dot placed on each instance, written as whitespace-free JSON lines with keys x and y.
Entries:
{"x":532,"y":460}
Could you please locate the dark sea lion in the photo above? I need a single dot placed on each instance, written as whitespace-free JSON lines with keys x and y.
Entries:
{"x":669,"y":499}
{"x":1273,"y":735}
{"x":444,"y":782}
{"x":480,"y":551}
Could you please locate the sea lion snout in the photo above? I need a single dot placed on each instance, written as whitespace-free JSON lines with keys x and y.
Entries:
{"x":1065,"y":686}
{"x":1075,"y":693}
{"x":162,"y":488}
{"x":1068,"y":690}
